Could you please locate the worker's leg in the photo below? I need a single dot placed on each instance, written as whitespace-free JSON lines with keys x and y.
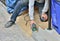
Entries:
{"x":19,"y":5}
{"x":17,"y":10}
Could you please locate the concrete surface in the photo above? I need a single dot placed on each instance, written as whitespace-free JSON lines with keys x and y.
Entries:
{"x":15,"y":33}
{"x":10,"y":34}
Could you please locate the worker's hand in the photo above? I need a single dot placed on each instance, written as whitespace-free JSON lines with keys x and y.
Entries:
{"x":44,"y":15}
{"x":32,"y":22}
{"x":33,"y":26}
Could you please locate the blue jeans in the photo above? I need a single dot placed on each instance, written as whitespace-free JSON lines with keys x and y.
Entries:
{"x":18,"y":8}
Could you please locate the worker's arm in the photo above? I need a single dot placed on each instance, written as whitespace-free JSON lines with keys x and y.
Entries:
{"x":31,"y":9}
{"x":46,"y":6}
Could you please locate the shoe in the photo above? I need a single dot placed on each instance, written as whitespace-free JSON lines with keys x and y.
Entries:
{"x":34,"y":28}
{"x":9,"y":24}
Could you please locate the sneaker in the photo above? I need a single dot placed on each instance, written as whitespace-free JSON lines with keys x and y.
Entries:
{"x":9,"y":24}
